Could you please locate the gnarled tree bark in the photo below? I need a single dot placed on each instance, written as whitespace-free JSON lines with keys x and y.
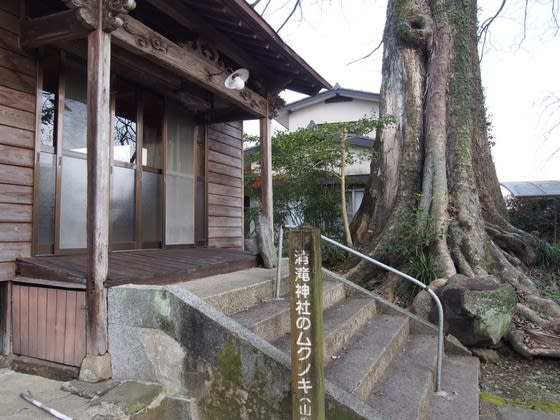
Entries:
{"x":435,"y":164}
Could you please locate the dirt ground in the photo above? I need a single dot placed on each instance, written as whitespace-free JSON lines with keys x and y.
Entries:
{"x":519,"y":382}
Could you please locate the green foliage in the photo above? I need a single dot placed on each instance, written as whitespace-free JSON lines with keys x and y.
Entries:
{"x":307,"y":170}
{"x":549,"y":255}
{"x":416,"y":240}
{"x":420,"y":267}
{"x":534,"y":215}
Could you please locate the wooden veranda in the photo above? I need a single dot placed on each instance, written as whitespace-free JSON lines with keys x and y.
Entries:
{"x":49,"y":292}
{"x":161,"y":266}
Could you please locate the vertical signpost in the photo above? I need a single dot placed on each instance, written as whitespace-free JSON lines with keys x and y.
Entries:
{"x":308,"y":392}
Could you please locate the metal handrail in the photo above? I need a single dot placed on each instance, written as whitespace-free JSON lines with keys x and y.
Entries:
{"x":419,"y":284}
{"x":392,"y":270}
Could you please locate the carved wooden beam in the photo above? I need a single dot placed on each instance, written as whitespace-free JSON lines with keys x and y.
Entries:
{"x":189,"y":61}
{"x":57,"y":27}
{"x":113,"y":10}
{"x":182,"y":15}
{"x":75,"y":23}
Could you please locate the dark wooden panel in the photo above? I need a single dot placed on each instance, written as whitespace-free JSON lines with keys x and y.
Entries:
{"x":215,"y":221}
{"x":80,"y":342}
{"x":59,"y":326}
{"x":24,"y":320}
{"x":11,"y":155}
{"x":218,"y":168}
{"x":17,"y":99}
{"x":226,"y":190}
{"x":217,"y":178}
{"x":70,"y":327}
{"x":217,"y":137}
{"x":9,"y":251}
{"x":17,"y":118}
{"x":16,"y":175}
{"x":20,"y":63}
{"x":13,"y":79}
{"x":9,"y":40}
{"x":224,"y":159}
{"x":15,"y":213}
{"x":223,"y":200}
{"x":9,"y":17}
{"x":15,"y":232}
{"x":17,"y":137}
{"x":225,"y":211}
{"x":138,"y":267}
{"x":231,"y":129}
{"x":224,"y":232}
{"x":32,"y":318}
{"x":16,"y":319}
{"x":10,"y":6}
{"x":236,"y":243}
{"x":50,"y":316}
{"x":16,"y":194}
{"x":7,"y":271}
{"x":42,"y":294}
{"x":47,"y":323}
{"x":235,"y":152}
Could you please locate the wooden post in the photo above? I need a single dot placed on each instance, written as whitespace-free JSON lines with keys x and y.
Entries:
{"x":266,"y":171}
{"x":98,"y":158}
{"x":306,"y":311}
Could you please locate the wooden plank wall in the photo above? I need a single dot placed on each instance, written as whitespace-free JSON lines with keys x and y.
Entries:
{"x":225,"y":185}
{"x":49,"y":323}
{"x":17,"y":134}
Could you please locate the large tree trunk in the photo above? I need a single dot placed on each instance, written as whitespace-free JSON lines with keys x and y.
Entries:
{"x":436,"y":169}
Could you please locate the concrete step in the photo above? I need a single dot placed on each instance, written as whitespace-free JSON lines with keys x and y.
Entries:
{"x":459,"y":381}
{"x":406,"y":390}
{"x":368,"y":355}
{"x":234,"y":292}
{"x":340,"y":323}
{"x":271,"y":319}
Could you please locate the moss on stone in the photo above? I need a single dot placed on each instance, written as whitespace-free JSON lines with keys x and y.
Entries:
{"x":230,"y":363}
{"x":550,"y":406}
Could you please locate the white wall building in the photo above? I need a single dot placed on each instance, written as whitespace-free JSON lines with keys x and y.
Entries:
{"x":338,"y":105}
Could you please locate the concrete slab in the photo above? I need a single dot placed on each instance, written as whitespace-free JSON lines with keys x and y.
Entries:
{"x":47,"y":391}
{"x":223,"y":283}
{"x":510,"y":413}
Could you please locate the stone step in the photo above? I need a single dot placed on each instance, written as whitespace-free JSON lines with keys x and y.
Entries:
{"x":459,"y":383}
{"x":238,"y":291}
{"x":340,"y":323}
{"x":368,"y":355}
{"x":271,"y":319}
{"x":406,"y":391}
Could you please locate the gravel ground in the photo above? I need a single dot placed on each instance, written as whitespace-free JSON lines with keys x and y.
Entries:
{"x":519,"y":382}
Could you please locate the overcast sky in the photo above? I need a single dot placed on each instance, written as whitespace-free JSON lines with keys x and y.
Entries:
{"x":517,"y":76}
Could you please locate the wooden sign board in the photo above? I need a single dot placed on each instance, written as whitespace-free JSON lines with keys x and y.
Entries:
{"x":308,"y":393}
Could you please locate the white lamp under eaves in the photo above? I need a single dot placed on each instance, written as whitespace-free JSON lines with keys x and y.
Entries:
{"x":237,"y":79}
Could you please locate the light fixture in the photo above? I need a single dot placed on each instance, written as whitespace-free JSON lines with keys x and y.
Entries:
{"x":237,"y":79}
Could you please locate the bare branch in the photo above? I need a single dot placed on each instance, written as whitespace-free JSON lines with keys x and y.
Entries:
{"x":554,"y":13}
{"x":524,"y":22}
{"x":485,"y":26}
{"x":368,"y":54}
{"x":296,"y":6}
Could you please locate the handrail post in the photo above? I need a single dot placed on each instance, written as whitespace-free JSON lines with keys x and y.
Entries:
{"x":279,"y":262}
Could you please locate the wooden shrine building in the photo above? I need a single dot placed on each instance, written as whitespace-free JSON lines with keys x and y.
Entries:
{"x":117,"y":133}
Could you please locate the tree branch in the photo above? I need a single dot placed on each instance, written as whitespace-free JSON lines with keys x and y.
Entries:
{"x":485,"y":26}
{"x":367,"y":55}
{"x":296,"y":6}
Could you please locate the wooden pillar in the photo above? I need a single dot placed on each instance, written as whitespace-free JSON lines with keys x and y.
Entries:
{"x":98,"y":158}
{"x":266,"y":170}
